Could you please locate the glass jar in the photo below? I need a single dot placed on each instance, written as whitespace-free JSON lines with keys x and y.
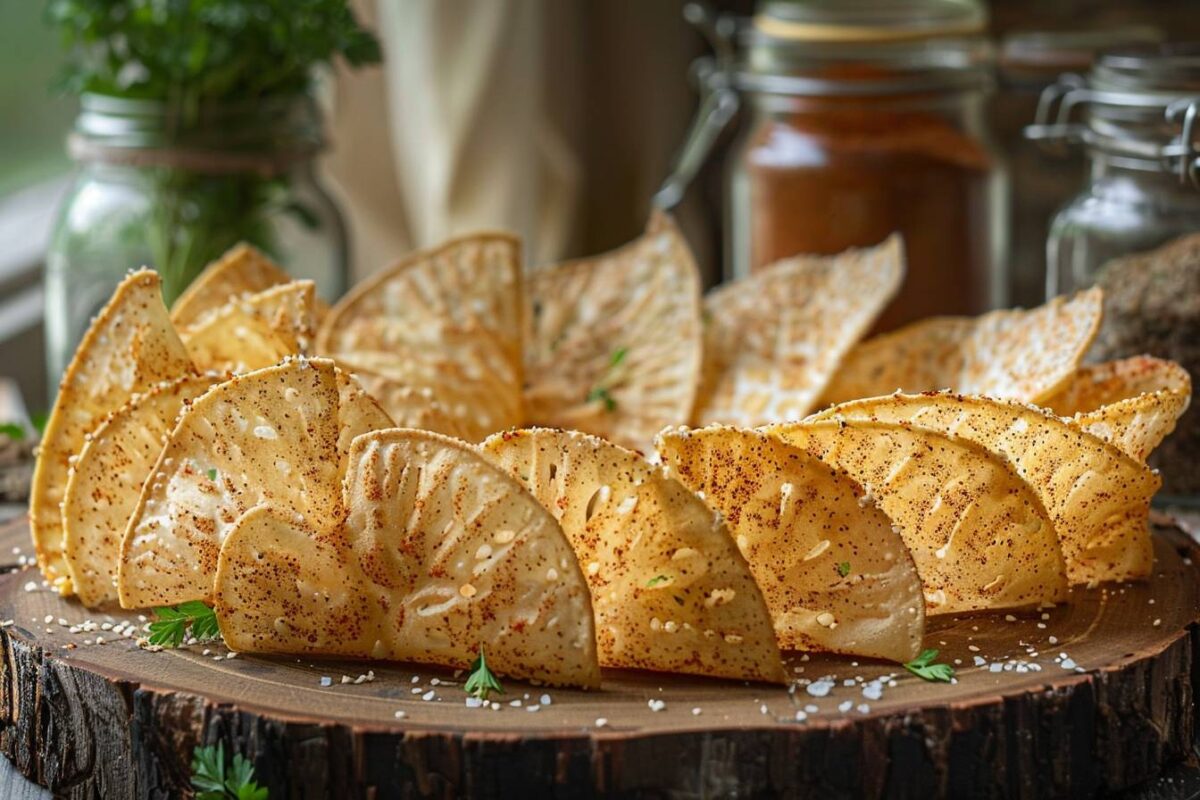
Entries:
{"x":1133,"y":229}
{"x":861,"y":118}
{"x":1029,"y":62}
{"x":173,"y":189}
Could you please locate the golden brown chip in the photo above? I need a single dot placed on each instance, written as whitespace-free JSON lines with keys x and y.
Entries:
{"x":1017,"y":355}
{"x":980,"y":537}
{"x":615,"y":343}
{"x":129,"y":348}
{"x":106,"y":479}
{"x":1097,"y":497}
{"x":358,"y":413}
{"x":773,"y":341}
{"x":670,"y":590}
{"x":835,"y":574}
{"x":242,"y":270}
{"x":440,"y":554}
{"x":416,"y":406}
{"x":255,"y":330}
{"x":449,"y":319}
{"x":1133,"y":403}
{"x":268,"y":436}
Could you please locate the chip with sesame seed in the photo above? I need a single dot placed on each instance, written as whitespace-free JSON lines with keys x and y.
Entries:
{"x":774,"y":340}
{"x":615,"y":339}
{"x":242,"y":270}
{"x":670,"y":589}
{"x":129,"y":348}
{"x":413,"y":405}
{"x":439,"y":553}
{"x":255,"y":330}
{"x":1098,"y":497}
{"x":979,"y":535}
{"x":1025,"y":355}
{"x":1133,"y":403}
{"x":266,"y":436}
{"x":102,"y":490}
{"x":835,"y":574}
{"x":450,"y":319}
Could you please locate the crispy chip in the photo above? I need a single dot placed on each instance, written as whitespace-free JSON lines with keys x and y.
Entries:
{"x":980,"y":537}
{"x":418,"y":407}
{"x":1097,"y":497}
{"x":615,"y":343}
{"x":242,"y":270}
{"x":440,"y":554}
{"x":670,"y":590}
{"x":835,"y":575}
{"x":773,"y":341}
{"x":1133,"y":403}
{"x":255,"y":330}
{"x":129,"y":348}
{"x":268,"y":436}
{"x":1017,"y":355}
{"x":105,"y":480}
{"x":358,"y":413}
{"x":449,"y":319}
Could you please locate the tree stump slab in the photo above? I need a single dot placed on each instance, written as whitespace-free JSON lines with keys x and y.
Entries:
{"x":90,"y":714}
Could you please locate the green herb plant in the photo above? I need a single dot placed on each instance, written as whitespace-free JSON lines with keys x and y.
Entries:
{"x":198,"y":58}
{"x":481,"y":682}
{"x":923,"y":667}
{"x":173,"y":623}
{"x":212,"y":781}
{"x":13,"y":431}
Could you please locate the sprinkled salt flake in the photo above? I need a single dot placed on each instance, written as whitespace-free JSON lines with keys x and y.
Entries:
{"x":601,"y":722}
{"x":695,"y":712}
{"x":415,"y":679}
{"x":1045,"y":616}
{"x":1009,"y":618}
{"x":656,"y":705}
{"x":1068,"y":663}
{"x":863,"y":708}
{"x":230,"y":655}
{"x":325,"y":679}
{"x":845,"y":706}
{"x":996,"y":666}
{"x":473,"y":702}
{"x":763,"y":709}
{"x":361,"y":679}
{"x":434,"y":681}
{"x":401,"y":714}
{"x":1041,"y":626}
{"x":49,"y":618}
{"x":801,"y":716}
{"x":848,"y":682}
{"x":6,"y":623}
{"x":416,"y":690}
{"x":819,"y":688}
{"x":532,"y":708}
{"x":812,"y":709}
{"x":347,"y":679}
{"x":428,"y":696}
{"x":1157,"y":622}
{"x":515,"y":703}
{"x":973,"y":648}
{"x":31,"y":587}
{"x":873,"y":690}
{"x":1053,"y":640}
{"x":545,"y":700}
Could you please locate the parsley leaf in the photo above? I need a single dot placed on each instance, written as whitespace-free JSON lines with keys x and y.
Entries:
{"x":213,"y":782}
{"x":618,"y":356}
{"x":656,"y":580}
{"x":481,"y":682}
{"x":923,"y":667}
{"x":212,"y":474}
{"x":602,"y":393}
{"x":13,"y":431}
{"x":172,"y":624}
{"x":843,"y":568}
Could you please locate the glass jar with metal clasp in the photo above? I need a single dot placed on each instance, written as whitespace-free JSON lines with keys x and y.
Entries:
{"x":1134,"y":229}
{"x":857,"y":119}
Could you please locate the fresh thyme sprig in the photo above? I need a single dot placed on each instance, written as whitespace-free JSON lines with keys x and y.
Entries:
{"x":481,"y":682}
{"x":923,"y":667}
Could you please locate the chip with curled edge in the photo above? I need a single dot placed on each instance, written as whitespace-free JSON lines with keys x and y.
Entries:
{"x":439,"y":554}
{"x":255,"y":330}
{"x":670,"y":590}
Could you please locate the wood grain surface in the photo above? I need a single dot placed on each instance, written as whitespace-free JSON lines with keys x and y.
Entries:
{"x":87,"y":719}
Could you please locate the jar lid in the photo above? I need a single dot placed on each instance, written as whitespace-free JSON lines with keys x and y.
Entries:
{"x":1161,"y":68}
{"x":864,"y":47}
{"x":1066,"y":51}
{"x":869,"y":20}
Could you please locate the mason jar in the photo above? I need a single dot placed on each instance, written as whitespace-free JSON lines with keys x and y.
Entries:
{"x":173,"y":188}
{"x":858,"y":119}
{"x":1134,"y":229}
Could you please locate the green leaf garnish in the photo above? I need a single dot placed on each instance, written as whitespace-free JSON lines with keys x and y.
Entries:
{"x":923,"y":667}
{"x":602,"y":393}
{"x":38,"y":421}
{"x":618,"y":356}
{"x":212,"y":781}
{"x":656,"y":580}
{"x":843,"y":568}
{"x":13,"y":431}
{"x":481,"y":682}
{"x":172,"y":623}
{"x":212,"y":474}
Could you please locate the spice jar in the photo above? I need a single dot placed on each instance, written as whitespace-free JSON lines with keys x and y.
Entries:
{"x":859,"y":118}
{"x":1132,"y":228}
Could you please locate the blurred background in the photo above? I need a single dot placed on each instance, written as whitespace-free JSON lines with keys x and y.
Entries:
{"x":555,"y":118}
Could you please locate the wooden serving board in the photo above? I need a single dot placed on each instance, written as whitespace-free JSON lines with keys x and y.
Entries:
{"x":111,"y":720}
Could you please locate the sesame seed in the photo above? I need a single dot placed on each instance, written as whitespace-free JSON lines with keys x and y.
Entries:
{"x":601,"y":722}
{"x":401,"y":715}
